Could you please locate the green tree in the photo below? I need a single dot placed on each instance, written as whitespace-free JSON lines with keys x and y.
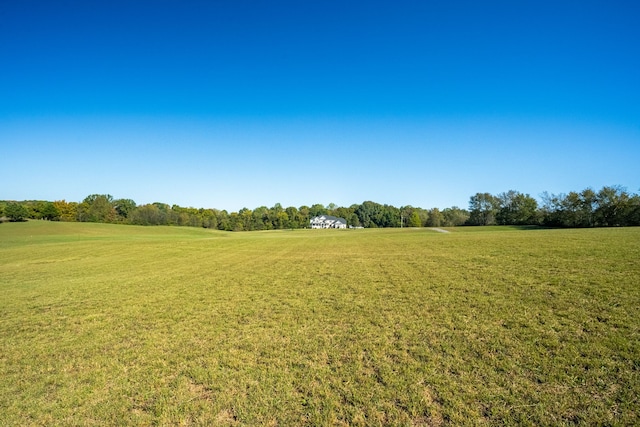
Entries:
{"x":346,"y":213}
{"x":374,"y":215}
{"x":209,"y":218}
{"x":275,"y":217}
{"x":16,"y":212}
{"x":454,"y":216}
{"x":244,"y":220}
{"x":50,"y":212}
{"x":43,"y":210}
{"x":149,"y":214}
{"x":316,"y":210}
{"x":353,"y":220}
{"x":634,"y":210}
{"x":282,"y":220}
{"x":483,"y":208}
{"x":223,"y":220}
{"x":414,"y":219}
{"x":614,"y":206}
{"x":166,"y":215}
{"x":123,"y":208}
{"x":304,"y":216}
{"x":260,"y":219}
{"x":611,"y":206}
{"x":588,"y":204}
{"x":34,"y":209}
{"x":517,"y":209}
{"x":389,"y":216}
{"x":435,"y":218}
{"x":235,"y":221}
{"x":97,"y":208}
{"x":368,"y":214}
{"x":551,"y":209}
{"x":294,"y":217}
{"x":301,"y":219}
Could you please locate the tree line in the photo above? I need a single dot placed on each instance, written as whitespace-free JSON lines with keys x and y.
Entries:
{"x":104,"y":208}
{"x":610,"y":206}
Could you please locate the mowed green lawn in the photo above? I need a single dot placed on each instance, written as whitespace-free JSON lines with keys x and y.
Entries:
{"x":122,"y":325}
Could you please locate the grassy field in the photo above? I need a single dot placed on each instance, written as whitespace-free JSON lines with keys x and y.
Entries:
{"x":123,"y":325}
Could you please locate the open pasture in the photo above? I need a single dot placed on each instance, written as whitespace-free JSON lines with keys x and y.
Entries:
{"x":124,"y":325}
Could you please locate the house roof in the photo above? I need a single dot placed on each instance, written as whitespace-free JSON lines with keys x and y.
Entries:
{"x":329,"y":218}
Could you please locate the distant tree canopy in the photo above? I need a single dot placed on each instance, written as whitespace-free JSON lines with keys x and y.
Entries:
{"x":483,"y":208}
{"x":611,"y":206}
{"x":97,"y":208}
{"x":515,"y":208}
{"x":16,"y":212}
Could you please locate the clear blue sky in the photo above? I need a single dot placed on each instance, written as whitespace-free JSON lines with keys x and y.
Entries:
{"x":231,"y":104}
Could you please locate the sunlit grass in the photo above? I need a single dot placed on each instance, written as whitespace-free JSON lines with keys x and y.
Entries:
{"x":122,"y":325}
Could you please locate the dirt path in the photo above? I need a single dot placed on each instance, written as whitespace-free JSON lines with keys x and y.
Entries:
{"x":439,"y":230}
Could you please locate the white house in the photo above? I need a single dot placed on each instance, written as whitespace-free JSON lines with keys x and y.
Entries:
{"x":328,"y":221}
